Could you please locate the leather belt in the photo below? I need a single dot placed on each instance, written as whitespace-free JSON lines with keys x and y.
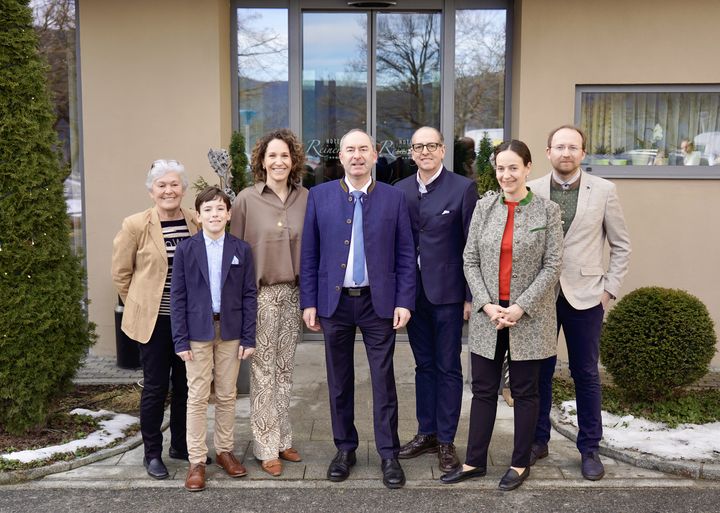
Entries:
{"x":355,"y":291}
{"x":216,"y":316}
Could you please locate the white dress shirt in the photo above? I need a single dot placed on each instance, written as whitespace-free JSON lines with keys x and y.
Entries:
{"x":214,"y":249}
{"x":348,"y":282}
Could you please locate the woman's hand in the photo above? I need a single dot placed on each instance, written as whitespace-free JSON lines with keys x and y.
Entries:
{"x":497,"y":316}
{"x":513,"y":313}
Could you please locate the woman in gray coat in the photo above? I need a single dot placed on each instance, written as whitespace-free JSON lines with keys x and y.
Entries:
{"x":512,"y":264}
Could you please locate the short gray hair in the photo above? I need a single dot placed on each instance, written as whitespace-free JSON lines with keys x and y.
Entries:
{"x":352,"y":131}
{"x":161,"y":167}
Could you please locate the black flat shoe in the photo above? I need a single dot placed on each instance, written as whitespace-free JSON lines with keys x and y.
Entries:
{"x":393,"y":475}
{"x":339,"y":469}
{"x":156,"y":468}
{"x":512,"y":479}
{"x":178,"y":455}
{"x":459,"y":475}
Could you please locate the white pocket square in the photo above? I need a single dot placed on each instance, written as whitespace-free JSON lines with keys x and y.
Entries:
{"x":445,"y":212}
{"x":235,"y":260}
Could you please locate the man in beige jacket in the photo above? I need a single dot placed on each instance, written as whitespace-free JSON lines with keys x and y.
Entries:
{"x":591,"y":214}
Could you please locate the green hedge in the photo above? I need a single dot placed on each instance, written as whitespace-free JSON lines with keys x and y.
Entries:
{"x":44,"y":332}
{"x":656,"y":340}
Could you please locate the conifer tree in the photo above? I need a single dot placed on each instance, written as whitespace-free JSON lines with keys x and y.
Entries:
{"x":239,"y":162}
{"x":486,"y":180}
{"x":44,"y":332}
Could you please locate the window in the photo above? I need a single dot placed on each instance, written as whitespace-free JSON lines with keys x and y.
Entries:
{"x":651,"y":131}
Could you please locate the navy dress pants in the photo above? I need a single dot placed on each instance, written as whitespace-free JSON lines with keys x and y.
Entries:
{"x":435,"y":333}
{"x":161,"y":366}
{"x":582,"y":335}
{"x":379,"y":339}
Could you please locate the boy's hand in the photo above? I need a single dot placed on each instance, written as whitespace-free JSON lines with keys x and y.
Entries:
{"x":245,"y":352}
{"x":185,"y":356}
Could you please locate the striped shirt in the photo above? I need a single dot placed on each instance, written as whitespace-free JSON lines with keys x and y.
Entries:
{"x":174,"y":232}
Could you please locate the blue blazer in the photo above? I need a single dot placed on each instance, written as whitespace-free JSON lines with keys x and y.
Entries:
{"x":440,"y":224}
{"x":388,"y":241}
{"x":190,"y":300}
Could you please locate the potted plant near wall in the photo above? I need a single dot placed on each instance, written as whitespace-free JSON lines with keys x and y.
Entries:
{"x":618,"y":157}
{"x":601,"y":157}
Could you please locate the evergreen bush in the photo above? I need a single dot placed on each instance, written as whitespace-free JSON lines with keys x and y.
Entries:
{"x":239,"y":163}
{"x":44,"y":332}
{"x":656,"y":340}
{"x":486,"y":179}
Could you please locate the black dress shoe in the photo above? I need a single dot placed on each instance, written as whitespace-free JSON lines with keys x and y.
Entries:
{"x":459,"y":474}
{"x":592,"y":468}
{"x":512,"y":479}
{"x":393,"y":475}
{"x":537,"y":452}
{"x":180,"y":455}
{"x":420,"y":444}
{"x":339,"y":469}
{"x":156,"y":468}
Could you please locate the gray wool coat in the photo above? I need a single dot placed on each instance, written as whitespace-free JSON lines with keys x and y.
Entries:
{"x":536,"y":259}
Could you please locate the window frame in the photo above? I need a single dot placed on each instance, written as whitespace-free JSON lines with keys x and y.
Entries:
{"x":672,"y":172}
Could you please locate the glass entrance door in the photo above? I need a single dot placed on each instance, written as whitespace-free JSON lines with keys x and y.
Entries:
{"x":322,"y":67}
{"x":381,"y":73}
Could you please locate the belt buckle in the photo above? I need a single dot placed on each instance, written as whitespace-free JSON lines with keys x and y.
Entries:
{"x":354,"y":292}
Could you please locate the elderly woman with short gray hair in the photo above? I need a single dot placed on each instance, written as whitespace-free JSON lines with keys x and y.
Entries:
{"x":142,"y":260}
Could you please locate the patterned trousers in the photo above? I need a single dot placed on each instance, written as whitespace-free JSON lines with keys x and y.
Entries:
{"x":278,"y":329}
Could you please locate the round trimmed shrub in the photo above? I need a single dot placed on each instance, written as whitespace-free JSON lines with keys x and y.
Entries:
{"x":656,"y":340}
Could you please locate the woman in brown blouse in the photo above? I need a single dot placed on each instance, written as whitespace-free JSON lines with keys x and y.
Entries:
{"x":269,"y":215}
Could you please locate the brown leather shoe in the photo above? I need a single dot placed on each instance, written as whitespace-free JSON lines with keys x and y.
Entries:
{"x":232,"y":466}
{"x":447,"y":457}
{"x":195,"y":480}
{"x":272,"y":467}
{"x":290,"y":454}
{"x":420,"y":444}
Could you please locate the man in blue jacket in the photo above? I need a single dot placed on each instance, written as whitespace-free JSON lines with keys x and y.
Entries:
{"x":357,"y":270}
{"x":441,"y":205}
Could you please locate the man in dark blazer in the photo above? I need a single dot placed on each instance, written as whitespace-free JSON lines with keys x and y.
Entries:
{"x":357,"y":270}
{"x":441,"y":205}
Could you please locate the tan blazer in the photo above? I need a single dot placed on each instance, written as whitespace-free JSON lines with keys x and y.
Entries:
{"x":139,"y":269}
{"x":536,"y":260}
{"x":598,"y":217}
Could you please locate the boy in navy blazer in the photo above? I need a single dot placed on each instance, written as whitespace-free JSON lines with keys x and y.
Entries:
{"x":213,"y":300}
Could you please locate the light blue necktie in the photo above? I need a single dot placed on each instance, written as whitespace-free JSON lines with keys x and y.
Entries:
{"x":358,"y":274}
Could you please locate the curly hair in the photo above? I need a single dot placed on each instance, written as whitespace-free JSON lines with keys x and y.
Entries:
{"x":297,"y":155}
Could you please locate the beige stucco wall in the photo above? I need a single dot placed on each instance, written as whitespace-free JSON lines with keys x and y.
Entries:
{"x":563,"y":43}
{"x":155,"y":84}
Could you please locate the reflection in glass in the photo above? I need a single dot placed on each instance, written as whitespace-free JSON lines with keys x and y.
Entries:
{"x":54,"y":23}
{"x":407,"y":87}
{"x":479,"y":77}
{"x":651,"y":128}
{"x":262,"y":36}
{"x":334,"y":87}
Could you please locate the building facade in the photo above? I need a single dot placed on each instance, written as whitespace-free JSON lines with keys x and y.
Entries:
{"x":172,"y":79}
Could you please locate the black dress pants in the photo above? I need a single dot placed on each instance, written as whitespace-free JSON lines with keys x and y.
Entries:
{"x":161,"y":366}
{"x":486,"y":375}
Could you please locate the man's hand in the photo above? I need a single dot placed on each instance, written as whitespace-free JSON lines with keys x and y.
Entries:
{"x":310,"y":319}
{"x":467,"y":310}
{"x":185,"y":356}
{"x":401,"y":316}
{"x":245,"y":352}
{"x":605,"y":300}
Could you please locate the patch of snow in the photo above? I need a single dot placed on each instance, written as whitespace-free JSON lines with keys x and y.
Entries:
{"x":697,"y":442}
{"x":110,"y":430}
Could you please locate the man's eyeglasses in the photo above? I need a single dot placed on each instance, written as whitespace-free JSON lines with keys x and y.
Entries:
{"x":561,"y":148}
{"x":431,"y":147}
